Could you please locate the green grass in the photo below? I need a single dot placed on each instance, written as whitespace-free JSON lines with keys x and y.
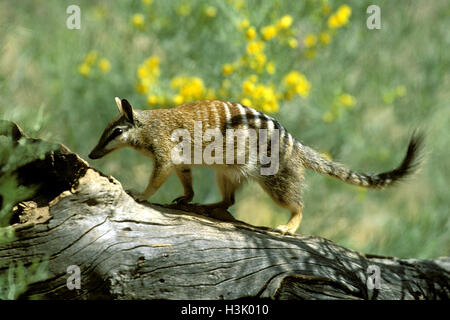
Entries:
{"x":43,"y":92}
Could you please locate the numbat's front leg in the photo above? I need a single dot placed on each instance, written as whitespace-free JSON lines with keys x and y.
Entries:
{"x":157,"y":179}
{"x":185,"y":176}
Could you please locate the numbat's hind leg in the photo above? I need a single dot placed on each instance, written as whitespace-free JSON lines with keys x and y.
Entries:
{"x":284,"y":189}
{"x":293,"y":223}
{"x":227,"y":187}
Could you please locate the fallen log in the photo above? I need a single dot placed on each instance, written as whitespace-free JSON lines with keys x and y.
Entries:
{"x":82,"y":221}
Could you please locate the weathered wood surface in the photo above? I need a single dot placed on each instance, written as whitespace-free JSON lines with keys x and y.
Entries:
{"x":128,"y":250}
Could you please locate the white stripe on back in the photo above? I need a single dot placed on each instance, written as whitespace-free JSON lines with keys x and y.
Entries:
{"x":257,"y":119}
{"x":227,"y":115}
{"x":244,"y":115}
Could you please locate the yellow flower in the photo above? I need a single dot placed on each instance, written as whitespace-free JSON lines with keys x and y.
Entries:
{"x":325,"y":38}
{"x":138,"y":20}
{"x":189,"y":88}
{"x":296,"y":83}
{"x":227,"y":69}
{"x":255,"y":47}
{"x":347,"y":100}
{"x":293,"y":43}
{"x":243,"y":24}
{"x":248,"y":87}
{"x":258,"y":61}
{"x":302,"y":88}
{"x":142,"y":72}
{"x":340,"y":18}
{"x":285,"y":22}
{"x":210,"y":11}
{"x":270,"y":67}
{"x":152,"y":63}
{"x":260,"y":95}
{"x":292,"y":78}
{"x":152,"y":100}
{"x":143,"y":86}
{"x":104,"y":65}
{"x":90,"y":58}
{"x":178,"y":99}
{"x":147,"y":72}
{"x":344,"y":12}
{"x":333,"y":22}
{"x":269,"y":32}
{"x":84,"y":69}
{"x":251,"y":33}
{"x":310,"y":40}
{"x":247,"y":102}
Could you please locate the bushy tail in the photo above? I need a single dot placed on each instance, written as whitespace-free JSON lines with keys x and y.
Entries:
{"x":316,"y":162}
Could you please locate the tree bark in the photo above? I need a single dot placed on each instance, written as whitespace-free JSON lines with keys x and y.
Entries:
{"x":130,"y":250}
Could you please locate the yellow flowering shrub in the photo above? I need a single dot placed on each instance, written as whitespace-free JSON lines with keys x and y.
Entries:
{"x":325,"y":37}
{"x":104,"y":65}
{"x":90,"y":61}
{"x":251,"y":33}
{"x":269,"y":32}
{"x":340,"y":17}
{"x":310,"y":40}
{"x":259,"y":95}
{"x":138,"y":20}
{"x":342,"y":101}
{"x":296,"y":83}
{"x":210,"y":11}
{"x":190,"y":89}
{"x":147,"y":73}
{"x":257,"y":76}
{"x":285,"y":22}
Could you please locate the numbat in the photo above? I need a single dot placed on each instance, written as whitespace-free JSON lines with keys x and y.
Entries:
{"x":215,"y":134}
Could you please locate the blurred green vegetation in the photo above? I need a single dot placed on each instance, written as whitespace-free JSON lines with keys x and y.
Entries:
{"x":14,"y":154}
{"x":368,"y":90}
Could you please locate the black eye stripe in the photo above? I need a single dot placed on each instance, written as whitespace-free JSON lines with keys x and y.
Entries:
{"x":114,"y":134}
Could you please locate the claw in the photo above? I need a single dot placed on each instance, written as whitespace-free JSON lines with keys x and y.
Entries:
{"x":284,"y":229}
{"x":182,"y":200}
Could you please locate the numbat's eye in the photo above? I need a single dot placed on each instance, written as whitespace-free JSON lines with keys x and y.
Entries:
{"x":117,"y":132}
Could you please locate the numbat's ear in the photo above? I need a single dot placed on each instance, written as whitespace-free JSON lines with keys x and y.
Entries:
{"x":125,"y":109}
{"x":119,"y":105}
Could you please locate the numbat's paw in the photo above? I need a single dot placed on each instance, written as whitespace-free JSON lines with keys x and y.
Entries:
{"x":284,"y":229}
{"x":182,"y":200}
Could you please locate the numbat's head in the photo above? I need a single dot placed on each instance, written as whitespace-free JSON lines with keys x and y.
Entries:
{"x":118,"y":133}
